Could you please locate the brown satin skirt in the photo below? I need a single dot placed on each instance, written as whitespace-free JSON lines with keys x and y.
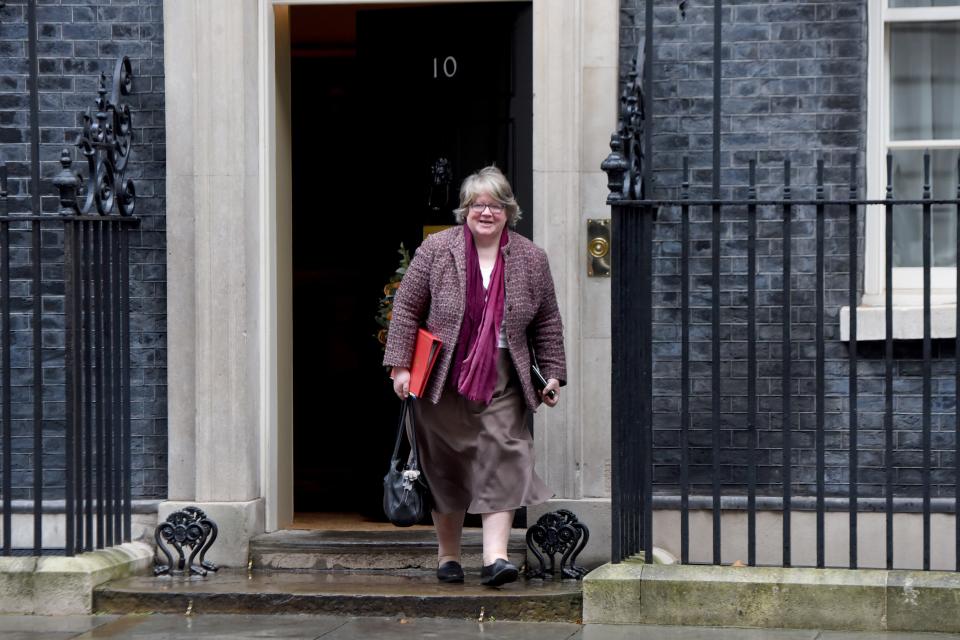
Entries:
{"x":480,"y":458}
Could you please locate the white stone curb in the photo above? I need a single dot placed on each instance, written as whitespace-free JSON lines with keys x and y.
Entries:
{"x":56,"y":585}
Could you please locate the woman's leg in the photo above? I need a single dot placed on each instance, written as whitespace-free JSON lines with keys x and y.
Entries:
{"x":449,"y":528}
{"x":496,"y":535}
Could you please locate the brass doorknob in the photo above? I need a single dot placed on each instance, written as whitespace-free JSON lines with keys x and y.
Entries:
{"x":599,"y":247}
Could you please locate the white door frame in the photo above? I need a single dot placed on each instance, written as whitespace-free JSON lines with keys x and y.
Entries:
{"x":574,"y":55}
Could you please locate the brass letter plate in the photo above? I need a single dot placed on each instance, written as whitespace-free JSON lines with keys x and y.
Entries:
{"x":598,"y":248}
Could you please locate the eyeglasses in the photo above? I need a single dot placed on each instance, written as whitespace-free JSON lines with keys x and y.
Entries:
{"x":495,"y":209}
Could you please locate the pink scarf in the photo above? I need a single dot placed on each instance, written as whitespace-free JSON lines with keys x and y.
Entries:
{"x":475,"y":363}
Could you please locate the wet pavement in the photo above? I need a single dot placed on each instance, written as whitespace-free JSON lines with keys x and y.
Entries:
{"x":241,"y":627}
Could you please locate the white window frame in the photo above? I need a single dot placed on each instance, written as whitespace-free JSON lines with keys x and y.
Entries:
{"x":907,"y":282}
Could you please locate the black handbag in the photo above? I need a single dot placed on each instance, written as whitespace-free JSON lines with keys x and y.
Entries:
{"x":406,"y":497}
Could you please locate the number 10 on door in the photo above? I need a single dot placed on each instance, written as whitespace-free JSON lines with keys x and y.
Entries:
{"x":447,"y":67}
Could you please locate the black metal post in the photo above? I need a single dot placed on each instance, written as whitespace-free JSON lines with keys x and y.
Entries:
{"x":90,"y":426}
{"x":715,"y":316}
{"x":927,"y":355}
{"x":7,"y":431}
{"x":108,"y":436}
{"x":646,"y":378}
{"x":618,"y":551}
{"x":125,"y":345}
{"x":685,"y":365}
{"x":7,"y":412}
{"x":854,"y":300}
{"x":97,"y":273}
{"x":785,"y":390}
{"x":117,"y":411}
{"x":37,"y":323}
{"x":956,"y":397}
{"x":76,"y":267}
{"x":820,"y":384}
{"x":646,"y":292}
{"x":888,"y":361}
{"x":71,"y":409}
{"x":33,"y":89}
{"x":752,"y":368}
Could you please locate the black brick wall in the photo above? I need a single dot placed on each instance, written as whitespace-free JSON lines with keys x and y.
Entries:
{"x":794,"y":86}
{"x":77,"y":40}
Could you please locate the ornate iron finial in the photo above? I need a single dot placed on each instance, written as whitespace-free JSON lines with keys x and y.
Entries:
{"x":615,"y":167}
{"x":68,"y":183}
{"x":189,"y":527}
{"x":102,"y":96}
{"x":105,"y":142}
{"x":624,"y":165}
{"x":682,"y":7}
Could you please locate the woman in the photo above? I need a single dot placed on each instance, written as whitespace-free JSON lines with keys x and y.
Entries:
{"x":484,"y":291}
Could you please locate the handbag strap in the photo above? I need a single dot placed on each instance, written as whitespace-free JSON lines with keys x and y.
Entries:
{"x":413,"y":460}
{"x":406,"y":414}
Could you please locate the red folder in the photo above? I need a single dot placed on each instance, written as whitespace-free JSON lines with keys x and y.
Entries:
{"x":425,"y":352}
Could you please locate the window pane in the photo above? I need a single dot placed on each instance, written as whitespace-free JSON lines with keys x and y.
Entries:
{"x":895,"y":4}
{"x":925,"y":81}
{"x":908,"y":220}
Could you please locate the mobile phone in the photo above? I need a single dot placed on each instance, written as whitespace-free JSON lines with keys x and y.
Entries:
{"x":540,"y":382}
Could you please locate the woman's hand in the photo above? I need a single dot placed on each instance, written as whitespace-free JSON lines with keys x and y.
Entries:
{"x":401,"y":381}
{"x":551,"y":399}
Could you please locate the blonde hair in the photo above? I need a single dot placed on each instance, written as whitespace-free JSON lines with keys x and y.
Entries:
{"x":491,"y":181}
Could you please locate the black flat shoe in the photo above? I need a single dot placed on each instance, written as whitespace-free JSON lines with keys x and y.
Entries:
{"x":450,"y":571}
{"x":500,"y":572}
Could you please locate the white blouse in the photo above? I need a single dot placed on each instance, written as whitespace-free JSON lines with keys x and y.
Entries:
{"x":502,"y":339}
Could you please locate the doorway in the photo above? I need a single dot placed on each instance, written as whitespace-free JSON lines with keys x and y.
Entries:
{"x":390,"y":109}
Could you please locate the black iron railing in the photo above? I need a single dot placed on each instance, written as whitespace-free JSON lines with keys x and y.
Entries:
{"x":633,"y":383}
{"x":636,"y":489}
{"x":76,"y":380}
{"x":93,"y":252}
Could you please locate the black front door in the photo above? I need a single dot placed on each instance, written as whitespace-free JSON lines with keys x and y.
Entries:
{"x":451,"y":82}
{"x":422,"y":89}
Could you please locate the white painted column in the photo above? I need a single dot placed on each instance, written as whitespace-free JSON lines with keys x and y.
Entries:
{"x":575,"y":108}
{"x":556,"y":218}
{"x":599,"y":97}
{"x":213,"y":266}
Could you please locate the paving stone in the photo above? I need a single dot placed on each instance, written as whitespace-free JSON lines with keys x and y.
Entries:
{"x":219,"y":627}
{"x":32,"y":635}
{"x":404,"y":628}
{"x":339,"y":627}
{"x":655,"y":632}
{"x":894,"y":635}
{"x":29,"y":627}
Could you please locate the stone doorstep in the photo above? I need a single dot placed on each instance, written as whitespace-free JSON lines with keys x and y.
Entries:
{"x":772,"y":597}
{"x":317,"y":550}
{"x":368,"y":593}
{"x":57,"y":585}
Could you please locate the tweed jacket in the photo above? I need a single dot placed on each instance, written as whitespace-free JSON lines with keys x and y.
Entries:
{"x":433,"y":292}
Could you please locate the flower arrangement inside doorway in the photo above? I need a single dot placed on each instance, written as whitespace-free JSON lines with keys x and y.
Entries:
{"x":385,"y":312}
